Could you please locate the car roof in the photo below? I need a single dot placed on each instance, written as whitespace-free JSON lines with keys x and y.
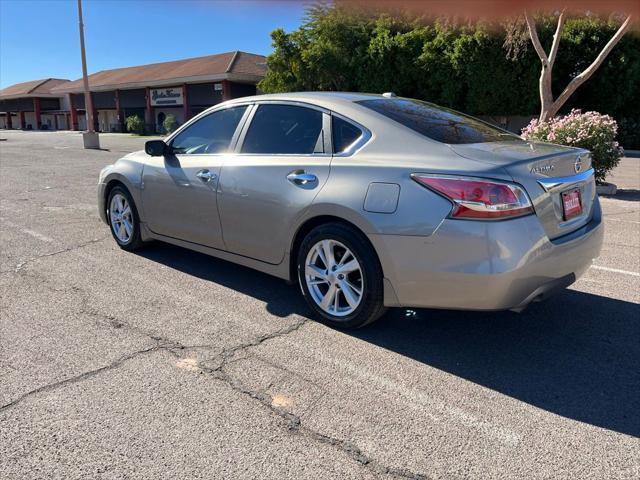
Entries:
{"x":326,"y":99}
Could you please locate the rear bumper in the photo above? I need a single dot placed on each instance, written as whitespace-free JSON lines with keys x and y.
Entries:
{"x":473,"y":265}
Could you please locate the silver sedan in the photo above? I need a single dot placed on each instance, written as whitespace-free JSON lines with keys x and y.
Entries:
{"x":367,"y":201}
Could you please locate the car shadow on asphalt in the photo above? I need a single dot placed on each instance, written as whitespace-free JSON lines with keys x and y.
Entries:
{"x":629,"y":194}
{"x":281,"y":299}
{"x":576,"y":355}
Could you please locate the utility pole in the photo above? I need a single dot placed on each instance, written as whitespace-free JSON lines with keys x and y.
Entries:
{"x":90,"y":137}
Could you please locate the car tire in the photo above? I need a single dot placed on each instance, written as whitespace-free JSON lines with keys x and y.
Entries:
{"x":326,"y":270}
{"x":124,"y":223}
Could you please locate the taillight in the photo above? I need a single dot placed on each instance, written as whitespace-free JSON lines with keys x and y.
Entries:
{"x":477,"y":198}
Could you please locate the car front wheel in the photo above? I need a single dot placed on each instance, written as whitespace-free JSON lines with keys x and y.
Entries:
{"x":340,"y":276}
{"x":123,"y":219}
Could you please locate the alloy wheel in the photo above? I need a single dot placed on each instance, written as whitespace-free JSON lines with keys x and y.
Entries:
{"x":121,"y":218}
{"x":334,"y":278}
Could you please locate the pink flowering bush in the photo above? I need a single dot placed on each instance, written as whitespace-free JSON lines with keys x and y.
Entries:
{"x":590,"y":130}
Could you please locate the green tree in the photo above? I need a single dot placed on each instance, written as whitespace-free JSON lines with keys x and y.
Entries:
{"x":170,"y":123}
{"x":459,"y":64}
{"x":135,"y":124}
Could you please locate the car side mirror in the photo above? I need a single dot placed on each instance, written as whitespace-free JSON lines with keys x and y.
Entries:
{"x":156,"y":148}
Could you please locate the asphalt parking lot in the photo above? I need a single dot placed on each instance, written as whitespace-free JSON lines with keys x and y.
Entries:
{"x":172,"y":364}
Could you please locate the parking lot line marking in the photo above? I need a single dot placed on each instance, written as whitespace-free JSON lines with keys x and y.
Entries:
{"x":37,"y":235}
{"x":616,"y":270}
{"x":621,"y":220}
{"x":32,"y":233}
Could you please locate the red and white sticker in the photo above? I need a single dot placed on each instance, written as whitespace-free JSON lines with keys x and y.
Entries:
{"x":571,"y":203}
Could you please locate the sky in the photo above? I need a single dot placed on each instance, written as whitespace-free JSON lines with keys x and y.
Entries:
{"x":39,"y":38}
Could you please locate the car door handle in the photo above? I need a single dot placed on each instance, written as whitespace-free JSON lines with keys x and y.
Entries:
{"x":206,"y":176}
{"x":299,"y":177}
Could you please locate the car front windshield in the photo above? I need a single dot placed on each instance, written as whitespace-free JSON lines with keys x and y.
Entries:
{"x":437,"y":123}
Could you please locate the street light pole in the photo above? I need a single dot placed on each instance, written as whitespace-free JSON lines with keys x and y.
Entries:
{"x":90,"y":137}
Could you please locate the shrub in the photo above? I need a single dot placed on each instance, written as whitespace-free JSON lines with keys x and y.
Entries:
{"x":453,"y":62}
{"x":170,"y":123}
{"x":590,"y":130}
{"x":135,"y":124}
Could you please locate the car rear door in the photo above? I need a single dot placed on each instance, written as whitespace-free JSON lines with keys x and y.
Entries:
{"x":281,"y":163}
{"x":179,"y":194}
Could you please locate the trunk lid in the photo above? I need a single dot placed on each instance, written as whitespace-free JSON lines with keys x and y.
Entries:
{"x":546,"y":171}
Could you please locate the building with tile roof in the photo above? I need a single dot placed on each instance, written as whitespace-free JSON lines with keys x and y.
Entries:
{"x":182,"y":88}
{"x":32,"y":105}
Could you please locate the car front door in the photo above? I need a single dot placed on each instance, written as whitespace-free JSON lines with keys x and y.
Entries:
{"x":179,"y":197}
{"x":281,"y":164}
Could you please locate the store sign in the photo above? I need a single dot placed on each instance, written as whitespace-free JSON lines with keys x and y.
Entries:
{"x":166,"y":96}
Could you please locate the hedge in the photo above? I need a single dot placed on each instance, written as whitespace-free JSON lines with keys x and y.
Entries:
{"x":460,"y":65}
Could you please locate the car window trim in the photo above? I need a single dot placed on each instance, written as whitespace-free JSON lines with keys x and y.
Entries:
{"x":327,"y":135}
{"x":357,"y":144}
{"x":243,"y":126}
{"x":211,"y":111}
{"x":326,"y":121}
{"x":239,"y":128}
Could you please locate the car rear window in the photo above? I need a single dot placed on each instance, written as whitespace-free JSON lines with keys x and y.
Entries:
{"x":437,"y":123}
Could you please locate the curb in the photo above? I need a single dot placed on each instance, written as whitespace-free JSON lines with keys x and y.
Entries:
{"x":606,"y":189}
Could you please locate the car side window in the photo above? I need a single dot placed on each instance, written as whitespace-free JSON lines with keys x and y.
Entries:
{"x":284,"y":129}
{"x":210,"y":134}
{"x":343,"y":134}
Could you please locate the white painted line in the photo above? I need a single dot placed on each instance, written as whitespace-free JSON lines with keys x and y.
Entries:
{"x":616,"y":270}
{"x":37,"y":235}
{"x":33,"y":233}
{"x":620,"y":220}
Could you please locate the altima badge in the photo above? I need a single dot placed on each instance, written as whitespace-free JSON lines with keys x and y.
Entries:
{"x":542,"y":169}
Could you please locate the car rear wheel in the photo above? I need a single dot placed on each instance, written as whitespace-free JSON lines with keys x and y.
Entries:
{"x":123,"y":219}
{"x":340,"y":276}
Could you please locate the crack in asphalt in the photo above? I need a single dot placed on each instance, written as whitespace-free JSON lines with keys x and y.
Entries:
{"x":83,"y":376}
{"x":229,"y":353}
{"x":292,"y":422}
{"x":21,"y":265}
{"x":295,"y":426}
{"x":116,"y":323}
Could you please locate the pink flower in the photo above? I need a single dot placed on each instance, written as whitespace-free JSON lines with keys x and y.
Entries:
{"x":590,"y":130}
